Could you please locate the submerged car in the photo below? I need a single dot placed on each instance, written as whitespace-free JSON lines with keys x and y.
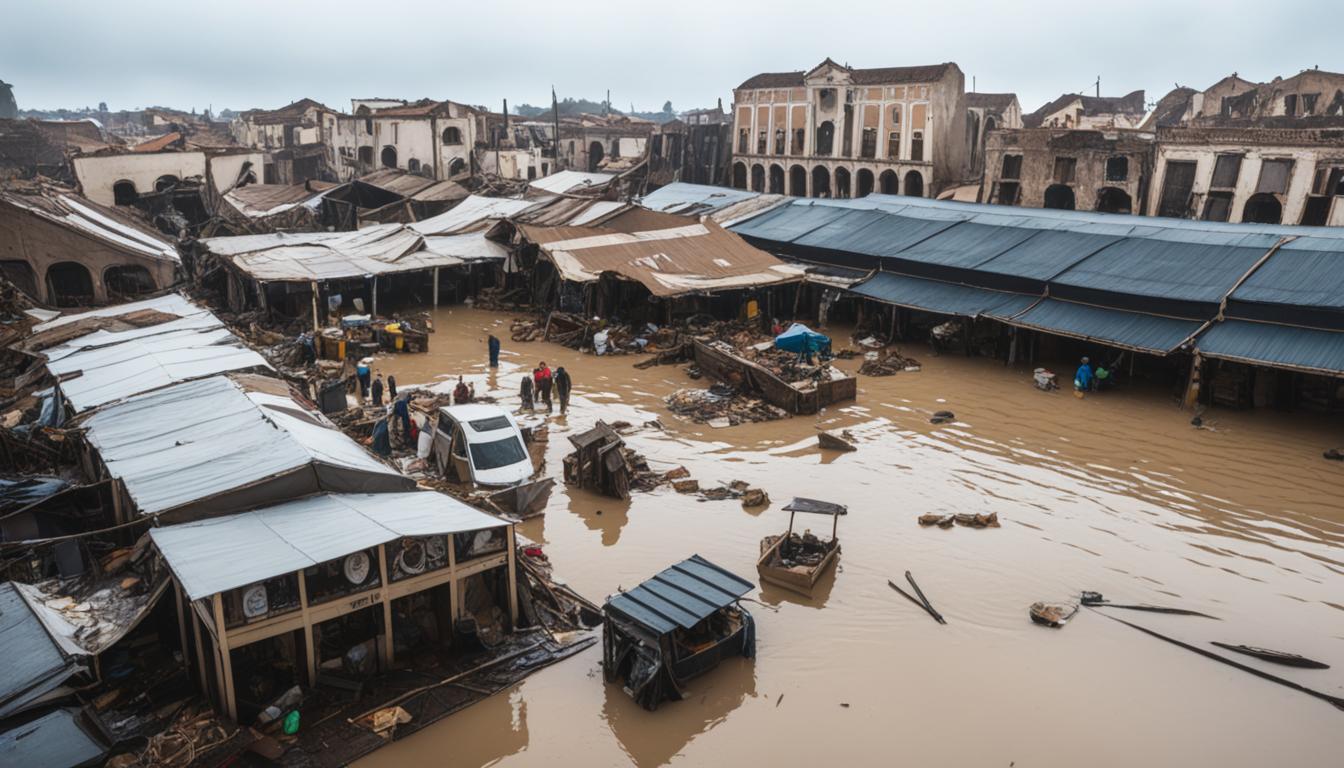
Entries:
{"x":482,"y":445}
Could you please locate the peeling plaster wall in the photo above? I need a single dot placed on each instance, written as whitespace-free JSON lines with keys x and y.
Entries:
{"x":98,"y":173}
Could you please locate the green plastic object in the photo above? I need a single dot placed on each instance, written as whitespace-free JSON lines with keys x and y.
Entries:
{"x":292,"y":723}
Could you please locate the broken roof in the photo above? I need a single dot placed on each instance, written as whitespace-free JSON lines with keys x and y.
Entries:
{"x":107,"y":365}
{"x":473,"y":212}
{"x":88,"y":219}
{"x":159,"y":143}
{"x":225,"y":446}
{"x":563,"y":182}
{"x":680,"y":596}
{"x":377,"y":250}
{"x":721,"y":204}
{"x":262,"y":200}
{"x":879,"y":76}
{"x":413,"y":186}
{"x":990,"y":100}
{"x":213,"y":556}
{"x":698,"y":257}
{"x":38,"y":660}
{"x":1131,"y":103}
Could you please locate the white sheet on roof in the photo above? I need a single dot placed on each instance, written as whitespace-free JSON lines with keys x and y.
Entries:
{"x":200,"y":438}
{"x":213,"y":556}
{"x":561,"y":182}
{"x":117,"y":371}
{"x":171,"y":304}
{"x":471,"y":212}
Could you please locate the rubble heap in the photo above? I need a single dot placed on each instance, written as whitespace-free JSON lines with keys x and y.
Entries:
{"x":887,"y":363}
{"x":721,"y":405}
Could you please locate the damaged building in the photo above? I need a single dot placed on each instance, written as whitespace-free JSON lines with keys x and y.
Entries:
{"x":297,"y":139}
{"x":434,"y":139}
{"x":836,"y":131}
{"x":695,"y":148}
{"x":1073,"y":169}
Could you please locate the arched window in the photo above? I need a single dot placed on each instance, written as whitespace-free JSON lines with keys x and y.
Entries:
{"x":595,"y":155}
{"x":127,"y":281}
{"x":413,"y":165}
{"x":123,"y":193}
{"x":776,"y":180}
{"x":389,"y":156}
{"x":451,"y":135}
{"x":914,"y":184}
{"x":164,"y":182}
{"x":1059,"y":196}
{"x":758,"y":178}
{"x":821,"y":182}
{"x":842,"y":182}
{"x":798,"y":181}
{"x":458,"y":165}
{"x":69,"y":284}
{"x":889,"y":183}
{"x":21,"y":274}
{"x":864,"y":179}
{"x":1114,"y":200}
{"x":826,"y":138}
{"x":739,"y":175}
{"x":1262,"y":208}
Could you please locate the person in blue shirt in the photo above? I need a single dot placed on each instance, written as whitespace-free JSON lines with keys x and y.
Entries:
{"x":1082,"y":380}
{"x":493,"y":346}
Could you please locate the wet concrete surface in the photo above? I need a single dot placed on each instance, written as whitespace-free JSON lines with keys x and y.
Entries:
{"x":1115,"y":493}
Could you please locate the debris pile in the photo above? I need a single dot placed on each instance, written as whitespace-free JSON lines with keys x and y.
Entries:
{"x":887,"y":363}
{"x":833,"y":442}
{"x":722,"y":406}
{"x":985,"y":520}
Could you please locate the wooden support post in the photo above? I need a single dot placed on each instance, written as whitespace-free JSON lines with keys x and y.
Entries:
{"x":436,"y":286}
{"x":1192,"y":389}
{"x":200,"y":648}
{"x":373,"y":296}
{"x":225,"y":660}
{"x":387,"y":652}
{"x":513,"y":578}
{"x":452,"y":579}
{"x":309,"y":647}
{"x":317,"y":323}
{"x":181,"y":621}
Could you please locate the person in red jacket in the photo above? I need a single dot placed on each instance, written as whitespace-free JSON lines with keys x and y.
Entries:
{"x":544,"y":384}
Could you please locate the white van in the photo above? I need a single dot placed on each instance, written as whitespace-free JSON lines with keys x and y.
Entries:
{"x":481,"y":444}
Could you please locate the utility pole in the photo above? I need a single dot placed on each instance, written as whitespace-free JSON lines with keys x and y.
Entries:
{"x":1098,"y":86}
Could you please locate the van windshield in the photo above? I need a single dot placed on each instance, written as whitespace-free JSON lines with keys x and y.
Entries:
{"x":499,"y":453}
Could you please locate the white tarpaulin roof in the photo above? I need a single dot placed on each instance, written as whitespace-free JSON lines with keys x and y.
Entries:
{"x":171,"y":304}
{"x":105,"y":366}
{"x":191,"y":441}
{"x":571,"y":181}
{"x":376,"y":250}
{"x":473,"y":212}
{"x":216,"y":555}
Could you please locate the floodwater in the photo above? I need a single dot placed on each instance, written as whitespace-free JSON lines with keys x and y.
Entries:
{"x":1115,"y":493}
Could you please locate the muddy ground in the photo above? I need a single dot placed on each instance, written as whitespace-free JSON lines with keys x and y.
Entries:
{"x":1115,"y":493}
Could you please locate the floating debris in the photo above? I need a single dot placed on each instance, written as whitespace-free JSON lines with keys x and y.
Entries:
{"x":1271,"y":655}
{"x":1052,"y":614}
{"x":887,"y":363}
{"x":832,"y":442}
{"x":722,"y":402}
{"x":942,"y":417}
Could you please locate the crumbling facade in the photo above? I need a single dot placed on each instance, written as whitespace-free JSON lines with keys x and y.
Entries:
{"x":1086,"y":170}
{"x":1074,"y":110}
{"x":987,"y":112}
{"x":297,"y":139}
{"x":835,"y":131}
{"x":695,"y":148}
{"x":434,"y":139}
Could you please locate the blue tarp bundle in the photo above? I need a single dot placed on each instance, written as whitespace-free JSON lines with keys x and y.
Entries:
{"x":799,"y":338}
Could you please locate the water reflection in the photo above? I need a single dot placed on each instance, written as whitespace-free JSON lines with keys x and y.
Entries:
{"x":600,"y":513}
{"x":772,"y":594}
{"x":653,"y":738}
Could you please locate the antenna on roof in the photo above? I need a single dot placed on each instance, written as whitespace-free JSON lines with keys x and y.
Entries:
{"x":1098,"y":86}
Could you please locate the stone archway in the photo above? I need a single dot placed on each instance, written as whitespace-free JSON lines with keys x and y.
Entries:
{"x":798,"y":181}
{"x":842,"y":185}
{"x":863,"y":183}
{"x":21,"y":274}
{"x":1059,"y":196}
{"x":758,"y":178}
{"x":389,"y":156}
{"x":127,"y":281}
{"x":821,"y":182}
{"x":776,"y":186}
{"x":888,"y":183}
{"x":124,"y":193}
{"x":69,"y":284}
{"x":595,"y":155}
{"x":914,"y":184}
{"x":1262,"y":208}
{"x":739,"y":175}
{"x":1114,"y":200}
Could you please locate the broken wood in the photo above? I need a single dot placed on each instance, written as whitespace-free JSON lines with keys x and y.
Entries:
{"x":927,"y":605}
{"x":832,"y":442}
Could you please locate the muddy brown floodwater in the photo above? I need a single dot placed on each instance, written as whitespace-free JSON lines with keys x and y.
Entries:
{"x":1115,"y":493}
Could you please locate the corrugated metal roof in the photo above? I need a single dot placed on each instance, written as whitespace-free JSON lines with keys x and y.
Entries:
{"x":1046,"y":254}
{"x":1157,"y":268}
{"x":193,"y":441}
{"x":1308,"y":272}
{"x":1284,"y":346}
{"x":88,"y":219}
{"x":941,"y":298}
{"x":680,"y":596}
{"x":872,"y":233}
{"x":788,"y":222}
{"x":965,"y":244}
{"x":562,"y":182}
{"x":170,"y":304}
{"x":474,"y":211}
{"x":55,"y":740}
{"x":216,"y":555}
{"x":36,"y":660}
{"x":686,"y":198}
{"x":1130,"y":330}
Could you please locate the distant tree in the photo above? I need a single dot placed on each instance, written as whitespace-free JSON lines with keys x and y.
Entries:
{"x":102,"y":106}
{"x":667,"y":108}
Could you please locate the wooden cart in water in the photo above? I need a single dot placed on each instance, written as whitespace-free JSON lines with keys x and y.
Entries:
{"x":796,"y":562}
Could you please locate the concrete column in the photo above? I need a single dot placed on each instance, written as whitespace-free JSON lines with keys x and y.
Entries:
{"x":317,"y":323}
{"x":436,"y":286}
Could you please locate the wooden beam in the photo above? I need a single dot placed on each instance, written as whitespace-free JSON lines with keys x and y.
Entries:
{"x":452,"y":578}
{"x":200,"y":652}
{"x":436,"y":286}
{"x":310,"y":652}
{"x":317,"y":324}
{"x":181,"y":621}
{"x":386,"y":651}
{"x":225,"y":661}
{"x":513,"y":578}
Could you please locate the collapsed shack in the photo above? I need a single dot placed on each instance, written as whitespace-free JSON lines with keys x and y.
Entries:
{"x":776,"y":376}
{"x":389,"y":196}
{"x":676,"y":626}
{"x":722,"y":406}
{"x":599,"y":462}
{"x":641,"y":267}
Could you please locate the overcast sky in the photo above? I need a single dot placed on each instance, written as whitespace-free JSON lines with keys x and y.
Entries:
{"x":246,"y":54}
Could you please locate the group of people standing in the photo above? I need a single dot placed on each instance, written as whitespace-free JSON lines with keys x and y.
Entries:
{"x":371,"y":386}
{"x":1087,"y":378}
{"x":537,"y":388}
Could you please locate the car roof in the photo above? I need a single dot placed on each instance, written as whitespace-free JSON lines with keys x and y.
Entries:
{"x":466,"y":414}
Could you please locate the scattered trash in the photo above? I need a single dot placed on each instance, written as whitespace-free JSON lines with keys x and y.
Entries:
{"x":985,"y":520}
{"x":942,"y":521}
{"x":721,"y":403}
{"x":1052,"y":614}
{"x":755,"y":497}
{"x":921,"y":601}
{"x":689,"y":485}
{"x":777,"y":701}
{"x":887,"y":363}
{"x":942,"y":417}
{"x":1276,"y":657}
{"x":1334,"y":454}
{"x":1044,"y":379}
{"x":833,"y":442}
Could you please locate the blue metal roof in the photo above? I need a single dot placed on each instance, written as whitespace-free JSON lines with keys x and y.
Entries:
{"x":55,"y":739}
{"x":1304,"y":272}
{"x":967,"y":244}
{"x":1046,"y":254}
{"x":1286,"y":346}
{"x":1114,"y":327}
{"x":681,"y":596}
{"x":872,"y":233}
{"x":35,"y":663}
{"x":788,"y":222}
{"x":1158,"y":268}
{"x":941,"y":298}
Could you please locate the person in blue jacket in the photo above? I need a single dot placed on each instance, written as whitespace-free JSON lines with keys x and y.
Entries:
{"x":1082,"y":380}
{"x":493,"y":345}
